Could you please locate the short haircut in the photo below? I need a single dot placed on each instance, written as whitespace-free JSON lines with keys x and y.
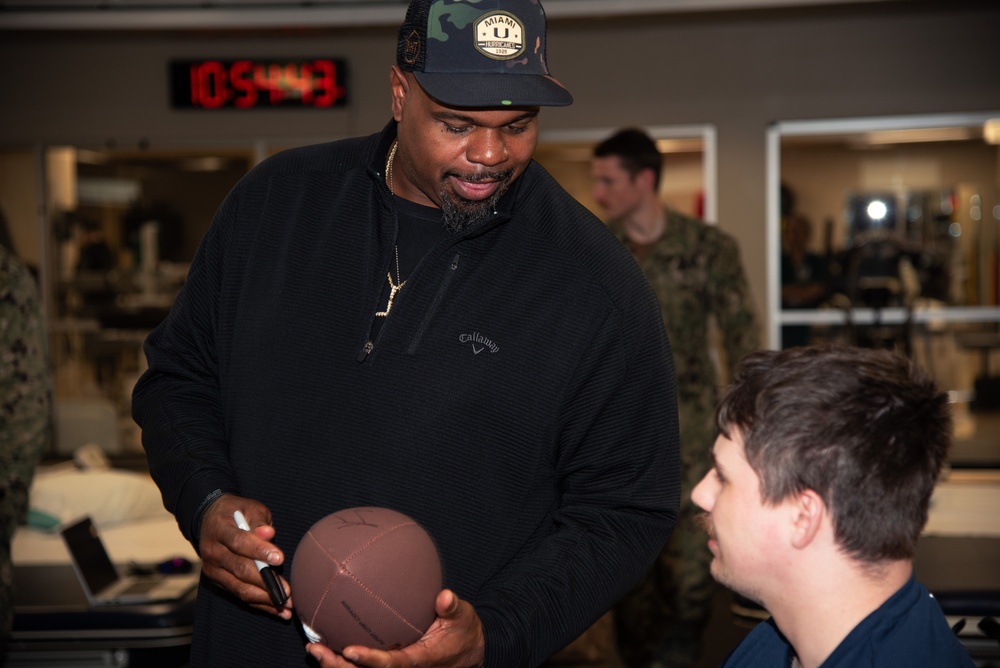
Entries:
{"x":636,"y":150}
{"x":866,"y":429}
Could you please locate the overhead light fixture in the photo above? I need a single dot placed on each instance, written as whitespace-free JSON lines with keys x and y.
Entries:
{"x":919,"y":135}
{"x":877,"y":210}
{"x":685,"y":145}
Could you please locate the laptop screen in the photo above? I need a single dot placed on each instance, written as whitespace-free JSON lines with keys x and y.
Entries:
{"x":88,"y":552}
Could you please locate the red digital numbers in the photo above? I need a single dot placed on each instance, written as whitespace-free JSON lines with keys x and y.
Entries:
{"x":327,"y":89}
{"x":208,"y":85}
{"x":251,"y":84}
{"x":241,"y":78}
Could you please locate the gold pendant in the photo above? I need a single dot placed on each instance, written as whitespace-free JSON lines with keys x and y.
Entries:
{"x":393,"y":289}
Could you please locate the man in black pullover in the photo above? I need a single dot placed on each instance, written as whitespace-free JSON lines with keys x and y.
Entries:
{"x":421,"y":319}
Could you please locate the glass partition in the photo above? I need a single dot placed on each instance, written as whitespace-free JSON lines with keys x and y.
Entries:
{"x":885,"y":232}
{"x":121,"y":228}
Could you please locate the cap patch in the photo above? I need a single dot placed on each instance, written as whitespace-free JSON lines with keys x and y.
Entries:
{"x":499,"y":35}
{"x":411,"y":50}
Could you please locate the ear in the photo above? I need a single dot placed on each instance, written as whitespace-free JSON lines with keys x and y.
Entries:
{"x":808,"y":515}
{"x":399,"y":87}
{"x":647,"y":179}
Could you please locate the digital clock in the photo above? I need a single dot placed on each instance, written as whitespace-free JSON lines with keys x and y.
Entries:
{"x":317,"y":83}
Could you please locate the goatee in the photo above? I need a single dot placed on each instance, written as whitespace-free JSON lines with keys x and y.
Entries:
{"x":460,"y":214}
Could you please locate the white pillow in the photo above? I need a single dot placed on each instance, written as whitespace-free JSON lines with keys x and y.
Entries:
{"x":108,"y":496}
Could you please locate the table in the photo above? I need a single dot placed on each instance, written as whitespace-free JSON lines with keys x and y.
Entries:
{"x":55,"y":626}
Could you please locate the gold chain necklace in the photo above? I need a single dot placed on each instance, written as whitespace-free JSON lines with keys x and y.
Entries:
{"x":388,"y":165}
{"x":393,"y":288}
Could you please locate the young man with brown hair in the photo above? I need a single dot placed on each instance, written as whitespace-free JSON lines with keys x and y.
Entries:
{"x":822,"y":477}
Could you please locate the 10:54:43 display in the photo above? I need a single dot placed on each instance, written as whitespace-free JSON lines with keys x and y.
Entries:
{"x":256,"y":84}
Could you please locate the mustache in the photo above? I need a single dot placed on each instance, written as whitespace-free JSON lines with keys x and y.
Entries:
{"x":480,"y":177}
{"x":704,"y":522}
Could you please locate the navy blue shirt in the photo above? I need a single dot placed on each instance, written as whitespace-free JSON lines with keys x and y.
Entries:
{"x":909,"y":629}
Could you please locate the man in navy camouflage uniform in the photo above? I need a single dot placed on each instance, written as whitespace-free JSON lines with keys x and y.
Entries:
{"x":25,"y":410}
{"x":695,"y":271}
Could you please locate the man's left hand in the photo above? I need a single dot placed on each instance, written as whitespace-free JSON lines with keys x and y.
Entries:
{"x":454,"y":640}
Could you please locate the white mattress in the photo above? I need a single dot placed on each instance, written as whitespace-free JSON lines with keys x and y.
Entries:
{"x":125,"y":506}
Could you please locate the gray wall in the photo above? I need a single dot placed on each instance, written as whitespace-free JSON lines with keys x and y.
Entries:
{"x":737,"y":70}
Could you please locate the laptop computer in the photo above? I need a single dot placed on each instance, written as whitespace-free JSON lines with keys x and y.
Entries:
{"x":104,"y":585}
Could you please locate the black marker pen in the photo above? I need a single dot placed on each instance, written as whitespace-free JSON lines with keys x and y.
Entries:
{"x":271,"y":581}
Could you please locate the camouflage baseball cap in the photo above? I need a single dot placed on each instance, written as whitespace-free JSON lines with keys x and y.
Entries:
{"x":479,"y":53}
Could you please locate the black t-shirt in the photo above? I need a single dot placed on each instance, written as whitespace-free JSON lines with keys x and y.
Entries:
{"x":420,"y":229}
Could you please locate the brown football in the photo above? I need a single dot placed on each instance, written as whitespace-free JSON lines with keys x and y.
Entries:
{"x":366,"y":576}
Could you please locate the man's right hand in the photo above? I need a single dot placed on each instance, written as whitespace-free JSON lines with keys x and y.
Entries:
{"x":228,"y":552}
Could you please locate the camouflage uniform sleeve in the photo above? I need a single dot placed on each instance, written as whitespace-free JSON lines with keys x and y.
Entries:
{"x":25,"y":381}
{"x":25,"y":407}
{"x":730,"y":300}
